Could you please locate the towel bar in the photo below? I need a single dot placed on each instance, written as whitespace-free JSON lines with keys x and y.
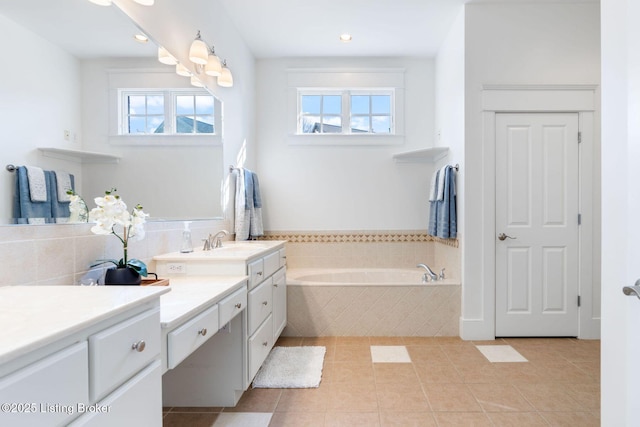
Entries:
{"x":11,"y":168}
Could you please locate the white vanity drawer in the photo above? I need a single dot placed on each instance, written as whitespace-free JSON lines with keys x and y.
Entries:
{"x":182,"y":341}
{"x":255,"y":271}
{"x":117,"y":353}
{"x":283,"y":257}
{"x":232,"y":305}
{"x":259,"y":346}
{"x":271,"y":263}
{"x":136,"y":403}
{"x":260,"y":303}
{"x":60,"y":379}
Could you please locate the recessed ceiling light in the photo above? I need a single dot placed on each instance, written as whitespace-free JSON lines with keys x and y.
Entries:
{"x":345,"y":37}
{"x":141,"y":38}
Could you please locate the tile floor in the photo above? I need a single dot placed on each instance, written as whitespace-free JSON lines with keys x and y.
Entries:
{"x":443,"y":382}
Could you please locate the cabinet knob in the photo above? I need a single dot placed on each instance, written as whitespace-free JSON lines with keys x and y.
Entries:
{"x":202,"y":332}
{"x":259,"y":273}
{"x":266,"y":343}
{"x":264,"y":303}
{"x":238,"y":305}
{"x":275,"y":285}
{"x":139,"y":346}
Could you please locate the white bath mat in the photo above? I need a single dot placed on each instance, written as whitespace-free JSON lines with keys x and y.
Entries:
{"x":291,"y":367}
{"x":390,"y":354}
{"x":501,"y":353}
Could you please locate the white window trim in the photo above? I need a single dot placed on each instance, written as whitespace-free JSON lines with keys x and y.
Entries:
{"x":118,"y":138}
{"x":354,"y":80}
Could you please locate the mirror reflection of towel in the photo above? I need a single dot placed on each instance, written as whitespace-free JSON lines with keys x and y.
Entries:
{"x":25,"y":210}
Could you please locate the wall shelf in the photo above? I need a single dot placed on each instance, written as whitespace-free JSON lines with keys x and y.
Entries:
{"x":79,"y":156}
{"x":423,"y":155}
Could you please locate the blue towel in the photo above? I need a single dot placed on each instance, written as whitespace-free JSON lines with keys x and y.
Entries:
{"x":442,"y":213}
{"x":257,"y":199}
{"x":24,"y":210}
{"x":248,"y":189}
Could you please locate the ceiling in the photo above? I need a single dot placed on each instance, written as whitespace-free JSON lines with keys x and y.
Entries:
{"x":287,"y":28}
{"x":271,"y":28}
{"x":83,"y":29}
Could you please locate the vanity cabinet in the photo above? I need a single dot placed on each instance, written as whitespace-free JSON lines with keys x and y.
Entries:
{"x":265,"y":298}
{"x":97,"y":363}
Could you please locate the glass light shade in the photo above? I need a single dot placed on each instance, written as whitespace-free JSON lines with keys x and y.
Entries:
{"x":181,"y":70}
{"x":196,"y":82}
{"x":101,"y":2}
{"x":145,"y":2}
{"x":213,"y":67}
{"x":225,"y":79}
{"x":199,"y":52}
{"x":165,"y":57}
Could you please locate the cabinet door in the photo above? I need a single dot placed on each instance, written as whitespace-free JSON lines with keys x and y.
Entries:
{"x":136,"y":403}
{"x":279,"y":303}
{"x":122,"y":350}
{"x":47,"y":392}
{"x":259,"y":346}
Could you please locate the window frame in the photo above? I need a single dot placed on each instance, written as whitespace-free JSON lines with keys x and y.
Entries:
{"x":170,"y":110}
{"x":346,"y":114}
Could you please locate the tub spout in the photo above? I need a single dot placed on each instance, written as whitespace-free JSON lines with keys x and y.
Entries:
{"x":428,"y":274}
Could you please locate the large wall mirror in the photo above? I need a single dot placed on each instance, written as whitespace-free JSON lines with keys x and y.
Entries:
{"x":68,"y":63}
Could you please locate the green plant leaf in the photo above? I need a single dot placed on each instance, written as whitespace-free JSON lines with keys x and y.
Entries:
{"x":105,"y":261}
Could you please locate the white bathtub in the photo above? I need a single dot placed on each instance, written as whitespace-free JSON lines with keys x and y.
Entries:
{"x":361,"y":277}
{"x":370,"y":302}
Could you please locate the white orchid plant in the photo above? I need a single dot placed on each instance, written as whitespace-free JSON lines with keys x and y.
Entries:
{"x":111,"y":216}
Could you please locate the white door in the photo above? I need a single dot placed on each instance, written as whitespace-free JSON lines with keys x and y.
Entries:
{"x":537,"y":224}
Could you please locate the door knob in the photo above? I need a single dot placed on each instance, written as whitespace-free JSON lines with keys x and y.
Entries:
{"x":503,"y":236}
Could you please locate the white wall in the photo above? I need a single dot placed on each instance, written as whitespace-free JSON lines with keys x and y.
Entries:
{"x":36,"y":104}
{"x":343,"y":187}
{"x":174,"y":24}
{"x":523,"y":43}
{"x":621,"y":202}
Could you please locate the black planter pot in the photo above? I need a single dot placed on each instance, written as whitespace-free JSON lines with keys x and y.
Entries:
{"x":122,"y":276}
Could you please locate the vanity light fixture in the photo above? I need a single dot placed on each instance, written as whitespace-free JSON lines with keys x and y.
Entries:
{"x":213,"y":67}
{"x":181,"y":70}
{"x":345,"y":38}
{"x":145,"y":2}
{"x":165,"y":57}
{"x":225,"y":79}
{"x":199,"y":52}
{"x":196,"y":82}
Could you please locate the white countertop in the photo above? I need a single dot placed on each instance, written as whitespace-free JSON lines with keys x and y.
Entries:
{"x":230,"y":251}
{"x":192,"y":294}
{"x":33,"y":316}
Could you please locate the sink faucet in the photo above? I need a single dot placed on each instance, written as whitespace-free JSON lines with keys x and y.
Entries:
{"x":428,"y":274}
{"x":215,"y":241}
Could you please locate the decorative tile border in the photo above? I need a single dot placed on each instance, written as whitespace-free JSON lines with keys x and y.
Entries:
{"x":356,"y":237}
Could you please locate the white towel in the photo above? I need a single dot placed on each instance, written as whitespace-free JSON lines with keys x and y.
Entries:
{"x":63,"y":181}
{"x":441,"y":181}
{"x":37,"y":184}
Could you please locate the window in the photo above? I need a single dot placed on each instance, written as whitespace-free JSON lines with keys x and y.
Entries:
{"x":170,"y":112}
{"x":346,"y":112}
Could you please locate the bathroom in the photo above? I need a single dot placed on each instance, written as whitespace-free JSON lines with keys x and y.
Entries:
{"x":346,"y":191}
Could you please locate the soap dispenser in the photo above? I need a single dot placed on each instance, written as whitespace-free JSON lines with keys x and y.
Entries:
{"x":186,"y":246}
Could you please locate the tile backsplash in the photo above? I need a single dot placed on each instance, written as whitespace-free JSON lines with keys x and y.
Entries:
{"x":60,"y":254}
{"x":363,"y":249}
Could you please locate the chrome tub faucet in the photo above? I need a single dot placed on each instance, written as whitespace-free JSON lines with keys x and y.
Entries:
{"x":429,"y":275}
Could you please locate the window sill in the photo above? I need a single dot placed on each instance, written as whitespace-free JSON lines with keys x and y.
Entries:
{"x":344,"y":139}
{"x":166,"y":140}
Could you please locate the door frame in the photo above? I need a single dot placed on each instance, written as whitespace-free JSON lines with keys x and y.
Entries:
{"x":580,"y":99}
